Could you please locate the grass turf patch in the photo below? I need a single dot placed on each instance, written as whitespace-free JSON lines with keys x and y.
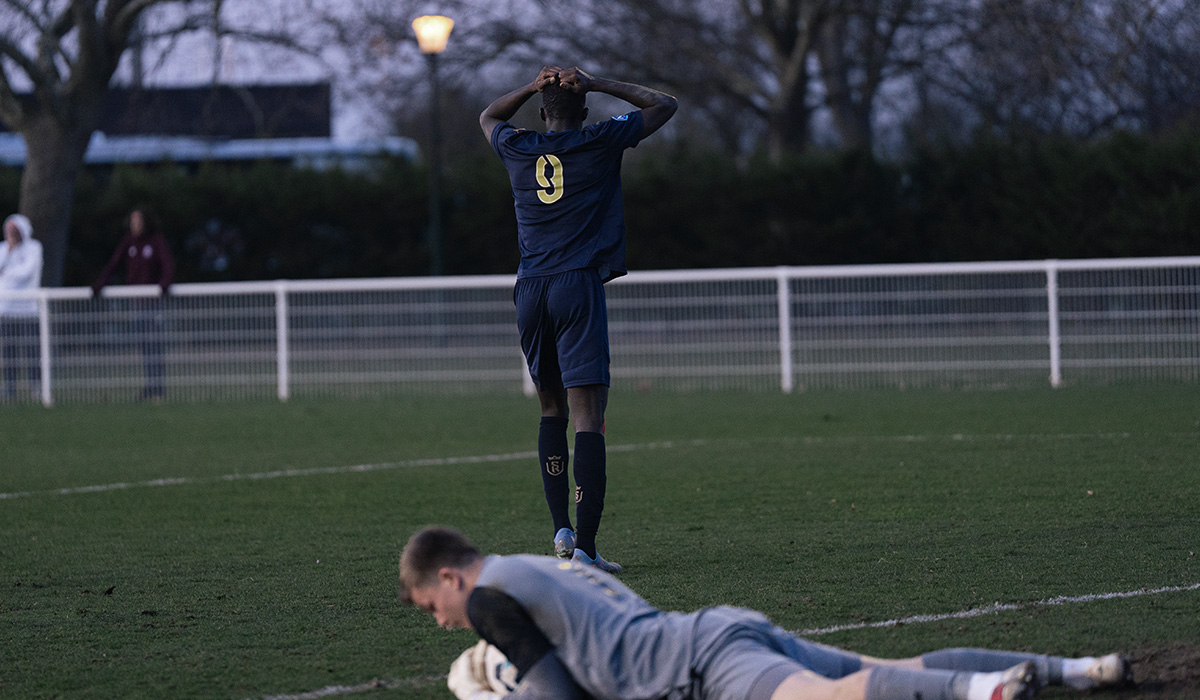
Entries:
{"x":818,"y":509}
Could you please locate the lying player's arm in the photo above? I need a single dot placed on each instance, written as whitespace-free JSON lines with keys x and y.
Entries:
{"x":547,"y":680}
{"x":483,"y":673}
{"x":505,"y":107}
{"x":657,"y":107}
{"x":501,"y":620}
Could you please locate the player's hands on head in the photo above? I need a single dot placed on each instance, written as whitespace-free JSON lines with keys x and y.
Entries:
{"x":575,"y":80}
{"x":548,"y":76}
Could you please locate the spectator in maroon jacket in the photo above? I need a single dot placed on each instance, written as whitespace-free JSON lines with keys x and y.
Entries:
{"x":147,"y":260}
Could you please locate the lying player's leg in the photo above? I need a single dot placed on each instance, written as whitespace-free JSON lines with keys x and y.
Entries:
{"x":891,"y":682}
{"x":951,"y":674}
{"x":1079,"y":673}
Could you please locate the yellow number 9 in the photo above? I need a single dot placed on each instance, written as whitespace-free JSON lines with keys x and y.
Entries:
{"x":553,"y":186}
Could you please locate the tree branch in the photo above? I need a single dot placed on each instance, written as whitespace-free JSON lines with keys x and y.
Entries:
{"x":22,"y":8}
{"x":120,"y":16}
{"x":91,"y":47}
{"x":11,"y":110}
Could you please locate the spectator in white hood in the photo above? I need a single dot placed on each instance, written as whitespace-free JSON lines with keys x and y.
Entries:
{"x":20,"y":268}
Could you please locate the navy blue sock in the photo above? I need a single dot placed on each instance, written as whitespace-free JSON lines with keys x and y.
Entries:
{"x":590,"y":482}
{"x":553,"y":458}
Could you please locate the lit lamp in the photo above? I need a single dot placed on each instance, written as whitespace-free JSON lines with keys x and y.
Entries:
{"x":433,"y":32}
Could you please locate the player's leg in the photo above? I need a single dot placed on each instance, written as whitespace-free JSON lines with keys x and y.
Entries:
{"x":895,"y":683}
{"x":541,"y":355}
{"x":577,"y":305}
{"x":786,"y":666}
{"x":11,"y":350}
{"x":554,"y":459}
{"x":1080,"y":673}
{"x":591,"y":476}
{"x":765,"y":663}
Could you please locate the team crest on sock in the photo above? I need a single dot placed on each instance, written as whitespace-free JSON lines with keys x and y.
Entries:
{"x":579,"y":494}
{"x":554,"y":465}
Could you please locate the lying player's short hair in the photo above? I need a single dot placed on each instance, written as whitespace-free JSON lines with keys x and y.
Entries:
{"x":427,"y":551}
{"x":562,"y":104}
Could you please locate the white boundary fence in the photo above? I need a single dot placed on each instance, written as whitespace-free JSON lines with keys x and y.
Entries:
{"x":990,"y":324}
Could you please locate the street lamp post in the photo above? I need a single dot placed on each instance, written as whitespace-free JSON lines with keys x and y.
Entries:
{"x":433,"y":31}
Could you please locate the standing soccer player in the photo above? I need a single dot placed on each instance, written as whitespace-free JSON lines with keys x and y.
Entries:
{"x":566,"y":186}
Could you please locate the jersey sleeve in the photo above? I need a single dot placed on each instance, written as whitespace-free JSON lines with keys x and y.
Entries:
{"x":498,"y":135}
{"x":505,"y":624}
{"x":625,"y":130}
{"x":500,"y":619}
{"x":548,"y":680}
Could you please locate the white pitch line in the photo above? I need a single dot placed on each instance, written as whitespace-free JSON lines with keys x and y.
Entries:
{"x":482,"y":459}
{"x":997,"y":608}
{"x":280,"y":474}
{"x":320,"y":471}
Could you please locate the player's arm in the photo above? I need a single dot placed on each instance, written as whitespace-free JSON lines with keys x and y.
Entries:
{"x":657,"y":107}
{"x":505,"y":107}
{"x":471,"y":678}
{"x":501,"y":620}
{"x":26,"y":267}
{"x":117,"y":257}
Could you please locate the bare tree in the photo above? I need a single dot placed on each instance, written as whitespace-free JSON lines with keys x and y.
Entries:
{"x":1075,"y":68}
{"x":756,"y":71}
{"x":66,"y":52}
{"x":864,"y":44}
{"x":1153,"y":63}
{"x":743,"y":68}
{"x":57,"y":59}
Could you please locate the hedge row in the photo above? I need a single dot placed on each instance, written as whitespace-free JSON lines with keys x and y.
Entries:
{"x":1125,"y":196}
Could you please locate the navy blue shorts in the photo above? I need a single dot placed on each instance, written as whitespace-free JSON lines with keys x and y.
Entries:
{"x":563,"y":321}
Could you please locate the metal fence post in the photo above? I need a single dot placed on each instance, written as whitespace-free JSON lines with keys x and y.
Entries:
{"x":784,"y":297}
{"x":1052,"y":314}
{"x":44,"y":342}
{"x":281,"y":340}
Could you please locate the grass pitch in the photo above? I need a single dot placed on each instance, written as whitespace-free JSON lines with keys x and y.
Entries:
{"x":249,"y":550}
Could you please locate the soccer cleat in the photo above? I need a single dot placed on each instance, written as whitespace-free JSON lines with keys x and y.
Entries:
{"x":599,"y":562}
{"x":564,"y":543}
{"x":1017,"y":683}
{"x":1110,"y":670}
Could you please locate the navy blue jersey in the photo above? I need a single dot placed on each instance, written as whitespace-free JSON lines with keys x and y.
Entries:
{"x":567,"y":192}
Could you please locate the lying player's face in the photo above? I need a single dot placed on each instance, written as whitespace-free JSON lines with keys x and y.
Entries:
{"x":446,"y":600}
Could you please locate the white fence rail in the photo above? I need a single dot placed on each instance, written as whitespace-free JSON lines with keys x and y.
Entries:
{"x":786,"y":328}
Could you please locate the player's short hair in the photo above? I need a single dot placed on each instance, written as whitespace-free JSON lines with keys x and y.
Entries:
{"x":430,"y":549}
{"x":562,"y":104}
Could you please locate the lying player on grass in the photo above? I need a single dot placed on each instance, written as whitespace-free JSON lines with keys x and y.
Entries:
{"x":573,"y":631}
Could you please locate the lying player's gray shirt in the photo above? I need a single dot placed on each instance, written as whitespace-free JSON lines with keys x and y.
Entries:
{"x":614,"y":643}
